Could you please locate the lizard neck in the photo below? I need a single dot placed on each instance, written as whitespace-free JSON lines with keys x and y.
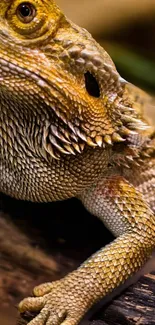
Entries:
{"x":28,"y":172}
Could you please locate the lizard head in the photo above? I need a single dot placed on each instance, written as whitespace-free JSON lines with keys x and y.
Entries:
{"x":56,"y":77}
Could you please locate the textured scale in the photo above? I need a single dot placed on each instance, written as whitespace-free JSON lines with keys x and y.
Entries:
{"x":71,"y":126}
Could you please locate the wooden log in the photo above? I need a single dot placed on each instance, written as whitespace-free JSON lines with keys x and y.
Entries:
{"x":136,"y":306}
{"x":133,"y":307}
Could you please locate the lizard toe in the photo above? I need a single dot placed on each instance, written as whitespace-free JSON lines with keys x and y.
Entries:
{"x":58,"y":303}
{"x":42,"y":289}
{"x":31,"y":304}
{"x":61,"y":302}
{"x":56,"y":318}
{"x":61,"y":321}
{"x":41,"y":318}
{"x":51,"y":312}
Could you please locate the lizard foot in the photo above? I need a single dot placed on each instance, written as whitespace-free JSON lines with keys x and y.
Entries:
{"x":60,"y":302}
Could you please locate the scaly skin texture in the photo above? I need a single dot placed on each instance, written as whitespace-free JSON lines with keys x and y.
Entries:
{"x":71,"y":126}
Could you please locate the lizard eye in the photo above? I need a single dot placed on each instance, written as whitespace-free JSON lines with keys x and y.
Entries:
{"x":92,"y":85}
{"x":31,"y":19}
{"x":26,"y":12}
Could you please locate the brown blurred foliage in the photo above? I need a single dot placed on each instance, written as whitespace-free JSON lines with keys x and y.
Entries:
{"x":106,"y":15}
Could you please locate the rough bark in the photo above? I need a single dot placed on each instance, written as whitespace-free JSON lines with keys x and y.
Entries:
{"x":58,"y":238}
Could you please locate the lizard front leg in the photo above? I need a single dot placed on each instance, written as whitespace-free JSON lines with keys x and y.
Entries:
{"x":130,"y":218}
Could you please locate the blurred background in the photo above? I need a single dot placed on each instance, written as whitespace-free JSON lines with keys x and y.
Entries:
{"x":126,"y":29}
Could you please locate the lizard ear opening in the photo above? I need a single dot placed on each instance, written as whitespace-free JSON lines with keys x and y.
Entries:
{"x":92,"y":85}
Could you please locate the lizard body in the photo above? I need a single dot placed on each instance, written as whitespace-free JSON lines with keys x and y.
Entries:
{"x":71,"y":126}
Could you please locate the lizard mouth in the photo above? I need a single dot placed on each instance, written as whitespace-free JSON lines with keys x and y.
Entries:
{"x":67,"y":134}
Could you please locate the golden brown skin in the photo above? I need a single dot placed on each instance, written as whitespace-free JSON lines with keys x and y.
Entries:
{"x":71,"y":126}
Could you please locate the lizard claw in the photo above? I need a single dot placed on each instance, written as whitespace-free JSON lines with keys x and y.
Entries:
{"x":57,"y":303}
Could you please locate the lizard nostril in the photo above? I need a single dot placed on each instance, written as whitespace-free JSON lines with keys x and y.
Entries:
{"x":92,"y":85}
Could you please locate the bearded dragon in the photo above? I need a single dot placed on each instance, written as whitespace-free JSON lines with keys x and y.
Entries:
{"x":70,"y":126}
